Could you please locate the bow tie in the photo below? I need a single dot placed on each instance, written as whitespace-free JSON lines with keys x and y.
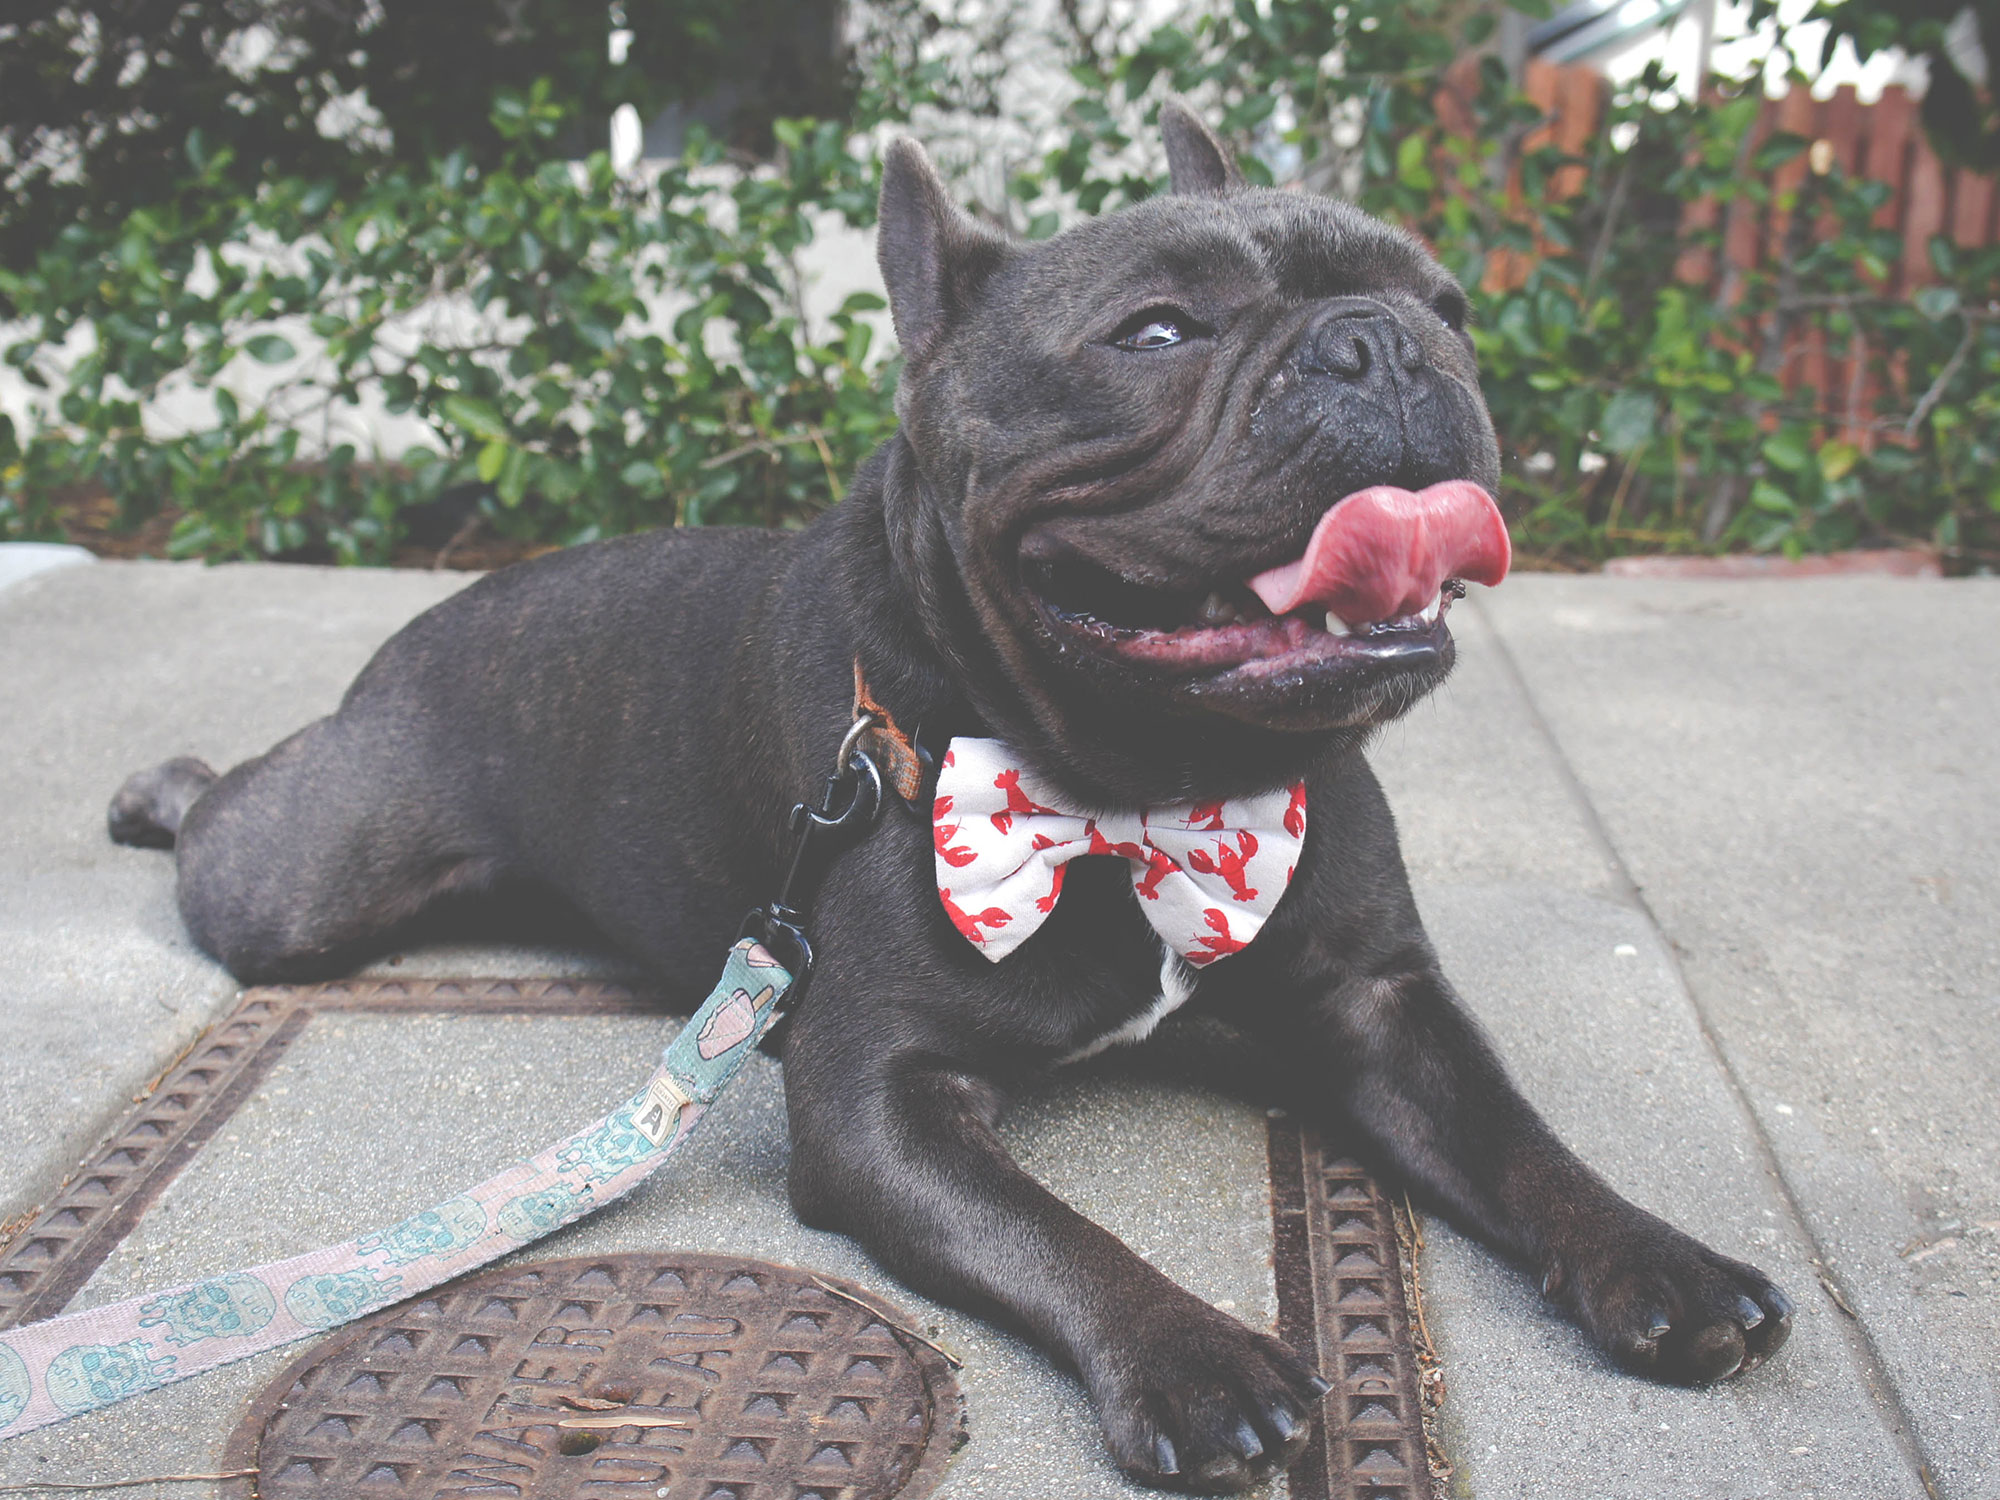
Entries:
{"x":1207,"y":873}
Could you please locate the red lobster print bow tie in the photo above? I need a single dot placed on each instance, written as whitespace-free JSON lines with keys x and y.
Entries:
{"x":1207,"y":874}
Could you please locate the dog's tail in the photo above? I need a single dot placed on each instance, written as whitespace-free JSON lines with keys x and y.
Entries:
{"x":148,"y":809}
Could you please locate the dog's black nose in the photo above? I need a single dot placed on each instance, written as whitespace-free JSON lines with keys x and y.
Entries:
{"x":1356,"y":337}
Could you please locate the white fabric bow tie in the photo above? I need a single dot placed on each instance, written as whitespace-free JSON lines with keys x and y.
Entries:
{"x":1207,"y":874}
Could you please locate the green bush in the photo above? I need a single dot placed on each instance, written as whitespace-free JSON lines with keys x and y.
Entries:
{"x":641,"y":357}
{"x":564,"y":398}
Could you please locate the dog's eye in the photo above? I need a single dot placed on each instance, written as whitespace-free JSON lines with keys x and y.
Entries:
{"x":1450,"y":309}
{"x":1156,"y":328}
{"x":1157,"y":334}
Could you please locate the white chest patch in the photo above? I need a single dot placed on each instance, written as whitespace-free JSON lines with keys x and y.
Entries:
{"x":1177,"y":978}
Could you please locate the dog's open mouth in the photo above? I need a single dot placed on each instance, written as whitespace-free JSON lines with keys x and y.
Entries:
{"x":1373,"y":584}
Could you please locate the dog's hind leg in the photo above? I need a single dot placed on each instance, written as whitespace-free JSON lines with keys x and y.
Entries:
{"x":299,"y":863}
{"x":149,"y":809}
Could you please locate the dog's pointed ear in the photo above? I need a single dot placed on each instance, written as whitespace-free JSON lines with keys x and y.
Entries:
{"x":932,"y":253}
{"x":1196,"y":161}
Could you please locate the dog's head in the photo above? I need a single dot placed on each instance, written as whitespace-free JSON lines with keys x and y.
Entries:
{"x":1208,"y":471}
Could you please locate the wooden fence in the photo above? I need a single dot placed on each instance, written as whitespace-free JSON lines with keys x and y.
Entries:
{"x":1882,"y":141}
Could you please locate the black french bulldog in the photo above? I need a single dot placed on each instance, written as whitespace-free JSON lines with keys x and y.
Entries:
{"x":1175,"y":511}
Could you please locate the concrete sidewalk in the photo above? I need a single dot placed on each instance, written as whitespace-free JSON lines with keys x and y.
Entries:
{"x":1714,"y":862}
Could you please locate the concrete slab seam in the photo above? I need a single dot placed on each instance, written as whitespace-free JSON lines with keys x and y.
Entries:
{"x":1860,"y":1340}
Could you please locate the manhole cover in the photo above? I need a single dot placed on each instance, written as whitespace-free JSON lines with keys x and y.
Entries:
{"x":561,"y":1378}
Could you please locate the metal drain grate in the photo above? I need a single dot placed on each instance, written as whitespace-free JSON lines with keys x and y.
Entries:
{"x":1340,"y":1298}
{"x":674,"y":1377}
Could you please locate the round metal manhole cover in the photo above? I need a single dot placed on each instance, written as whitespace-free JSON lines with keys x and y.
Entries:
{"x":654,"y":1377}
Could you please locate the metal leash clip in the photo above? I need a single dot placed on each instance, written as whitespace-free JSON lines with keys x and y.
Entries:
{"x":849,"y":803}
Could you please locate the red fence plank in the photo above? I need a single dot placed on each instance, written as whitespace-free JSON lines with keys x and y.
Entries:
{"x":1887,"y":160}
{"x":1972,"y":210}
{"x":1579,"y":104}
{"x":1796,"y":115}
{"x":1741,"y":233}
{"x":1840,"y":126}
{"x":1925,"y":216}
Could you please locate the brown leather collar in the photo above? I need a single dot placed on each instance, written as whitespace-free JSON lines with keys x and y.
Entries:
{"x":888,"y":744}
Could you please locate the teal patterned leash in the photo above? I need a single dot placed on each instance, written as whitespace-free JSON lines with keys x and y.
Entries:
{"x":77,"y":1362}
{"x":80,"y":1361}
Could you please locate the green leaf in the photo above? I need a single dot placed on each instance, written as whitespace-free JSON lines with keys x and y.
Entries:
{"x":1837,"y":460}
{"x":512,"y":486}
{"x":491,"y":457}
{"x":1781,"y":149}
{"x":1627,"y":423}
{"x":1936,"y":302}
{"x":1767,"y":496}
{"x":317,"y":199}
{"x":1769,"y":531}
{"x":1412,"y":169}
{"x":269,"y":349}
{"x":1786,"y":449}
{"x":475,"y":416}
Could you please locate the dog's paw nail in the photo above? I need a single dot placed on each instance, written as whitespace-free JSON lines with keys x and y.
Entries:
{"x":1320,"y":1384}
{"x":1748,"y":1312}
{"x":1282,"y":1422}
{"x":1245,"y":1441}
{"x":1657,"y":1327}
{"x":1165,"y":1459}
{"x":1779,"y":1304}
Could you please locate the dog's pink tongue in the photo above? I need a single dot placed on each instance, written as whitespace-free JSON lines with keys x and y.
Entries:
{"x":1383,"y":552}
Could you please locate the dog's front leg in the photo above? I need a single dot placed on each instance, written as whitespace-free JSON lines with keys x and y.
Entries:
{"x":897,"y":1148}
{"x":1420,"y":1080}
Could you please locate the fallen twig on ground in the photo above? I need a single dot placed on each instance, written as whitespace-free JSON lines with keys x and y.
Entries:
{"x":12,"y":1229}
{"x":121,"y":1484}
{"x":1832,"y":1288}
{"x":875,"y":1312}
{"x":1430,"y":1368}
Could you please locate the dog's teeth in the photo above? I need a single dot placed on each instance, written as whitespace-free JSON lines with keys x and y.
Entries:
{"x":1335,"y":625}
{"x":1429,"y":613}
{"x":1216,"y":610}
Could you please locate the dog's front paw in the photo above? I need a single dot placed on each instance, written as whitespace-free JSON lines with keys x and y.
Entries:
{"x":1665,"y":1305}
{"x":1193,"y":1400}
